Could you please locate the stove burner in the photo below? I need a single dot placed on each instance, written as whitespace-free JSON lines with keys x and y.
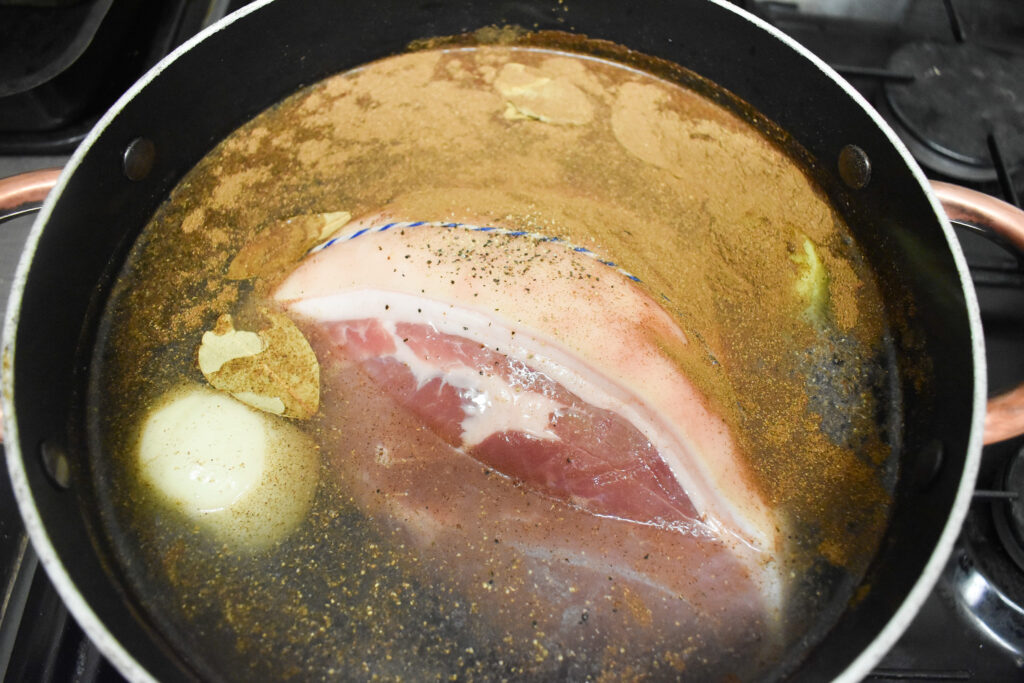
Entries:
{"x":983,"y":604}
{"x":985,"y":576}
{"x":961,"y":94}
{"x":1008,"y":515}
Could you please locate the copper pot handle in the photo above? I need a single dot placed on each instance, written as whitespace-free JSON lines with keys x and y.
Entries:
{"x":23,"y":193}
{"x":1004,"y":418}
{"x":20,"y":194}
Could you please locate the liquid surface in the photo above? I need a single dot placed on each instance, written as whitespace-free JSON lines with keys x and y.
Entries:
{"x":465,"y":561}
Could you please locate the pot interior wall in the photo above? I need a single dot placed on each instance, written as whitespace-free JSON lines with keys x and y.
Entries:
{"x":224,"y":80}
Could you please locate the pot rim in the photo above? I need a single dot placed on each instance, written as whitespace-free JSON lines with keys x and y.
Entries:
{"x":131,"y":669}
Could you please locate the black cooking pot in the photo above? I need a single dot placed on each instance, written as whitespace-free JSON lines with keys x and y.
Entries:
{"x":191,"y":100}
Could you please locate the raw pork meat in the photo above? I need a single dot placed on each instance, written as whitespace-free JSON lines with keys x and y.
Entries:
{"x":491,"y":384}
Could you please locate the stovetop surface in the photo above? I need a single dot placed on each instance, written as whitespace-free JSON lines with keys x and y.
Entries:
{"x":942,"y":644}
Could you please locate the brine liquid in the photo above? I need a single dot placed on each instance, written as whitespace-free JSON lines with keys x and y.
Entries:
{"x":711,"y":217}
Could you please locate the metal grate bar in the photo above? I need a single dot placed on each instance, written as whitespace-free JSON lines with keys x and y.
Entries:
{"x":1002,"y":171}
{"x":881,"y":74}
{"x":955,"y":24}
{"x":920,"y":675}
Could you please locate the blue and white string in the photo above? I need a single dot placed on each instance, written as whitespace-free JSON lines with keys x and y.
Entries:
{"x":475,"y":228}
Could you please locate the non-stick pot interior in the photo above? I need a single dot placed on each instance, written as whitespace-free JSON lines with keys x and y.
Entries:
{"x":237,"y":71}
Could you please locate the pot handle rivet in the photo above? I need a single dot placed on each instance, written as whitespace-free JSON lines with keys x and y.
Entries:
{"x":56,"y":464}
{"x":854,"y":167}
{"x":927,"y":465}
{"x":138,"y":160}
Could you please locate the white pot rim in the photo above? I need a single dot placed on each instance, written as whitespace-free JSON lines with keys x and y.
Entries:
{"x":131,"y":669}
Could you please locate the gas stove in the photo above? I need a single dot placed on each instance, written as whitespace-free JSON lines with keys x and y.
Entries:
{"x":948,"y":75}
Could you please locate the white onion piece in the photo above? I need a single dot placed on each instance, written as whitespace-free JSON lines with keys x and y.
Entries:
{"x":246,"y":477}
